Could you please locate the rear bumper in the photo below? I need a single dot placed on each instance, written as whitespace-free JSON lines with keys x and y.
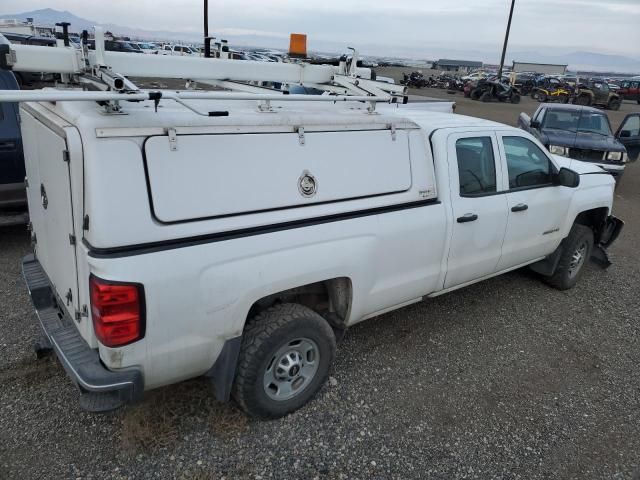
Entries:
{"x":102,"y":389}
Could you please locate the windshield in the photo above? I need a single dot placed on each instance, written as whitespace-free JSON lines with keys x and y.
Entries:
{"x":577,"y":121}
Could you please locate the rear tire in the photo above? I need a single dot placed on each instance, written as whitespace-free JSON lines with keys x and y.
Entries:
{"x":541,"y":97}
{"x":515,"y":98}
{"x":575,"y":254}
{"x":284,"y":360}
{"x":475,"y":94}
{"x":614,"y":104}
{"x":485,"y":97}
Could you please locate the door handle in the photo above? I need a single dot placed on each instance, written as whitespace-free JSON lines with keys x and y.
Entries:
{"x":467,"y":217}
{"x":7,"y":145}
{"x":521,"y":207}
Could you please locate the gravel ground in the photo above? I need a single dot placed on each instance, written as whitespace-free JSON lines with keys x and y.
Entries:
{"x":507,"y":379}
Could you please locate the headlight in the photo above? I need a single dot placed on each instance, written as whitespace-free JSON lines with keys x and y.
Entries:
{"x":557,"y":150}
{"x":616,"y":156}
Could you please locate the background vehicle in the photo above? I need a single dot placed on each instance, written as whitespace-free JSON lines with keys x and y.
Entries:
{"x":116,"y":46}
{"x":596,"y":93}
{"x":573,"y":131}
{"x":182,"y":50}
{"x":13,"y":199}
{"x":629,"y":135}
{"x":487,"y":90}
{"x":553,"y":90}
{"x":147,"y":47}
{"x":630,"y":90}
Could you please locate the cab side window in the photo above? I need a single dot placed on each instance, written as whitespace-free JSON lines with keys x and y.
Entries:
{"x":476,"y":166}
{"x":527,"y":164}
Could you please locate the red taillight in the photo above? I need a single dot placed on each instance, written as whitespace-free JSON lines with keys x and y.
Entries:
{"x":118,"y":311}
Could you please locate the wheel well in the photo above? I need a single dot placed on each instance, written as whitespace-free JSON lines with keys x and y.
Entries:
{"x":595,"y":219}
{"x":330,"y":298}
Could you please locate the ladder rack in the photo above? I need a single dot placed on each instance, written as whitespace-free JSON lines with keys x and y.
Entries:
{"x":104,"y":77}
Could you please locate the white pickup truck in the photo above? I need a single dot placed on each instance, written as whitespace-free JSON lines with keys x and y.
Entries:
{"x":240,"y":245}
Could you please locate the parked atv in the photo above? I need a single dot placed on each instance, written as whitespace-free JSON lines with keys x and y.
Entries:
{"x":596,"y":93}
{"x":487,"y":90}
{"x":552,"y":90}
{"x":414,"y":80}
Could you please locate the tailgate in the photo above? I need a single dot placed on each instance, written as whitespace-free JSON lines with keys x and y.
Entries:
{"x":50,"y":206}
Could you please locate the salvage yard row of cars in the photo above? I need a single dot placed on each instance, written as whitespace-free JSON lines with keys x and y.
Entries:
{"x":185,"y":272}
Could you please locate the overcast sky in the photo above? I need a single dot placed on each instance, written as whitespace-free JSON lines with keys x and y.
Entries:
{"x":605,"y":26}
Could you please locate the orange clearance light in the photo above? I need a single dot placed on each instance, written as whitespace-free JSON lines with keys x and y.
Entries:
{"x":298,"y":45}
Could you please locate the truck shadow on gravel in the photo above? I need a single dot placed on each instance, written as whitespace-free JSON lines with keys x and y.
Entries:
{"x":167,"y":415}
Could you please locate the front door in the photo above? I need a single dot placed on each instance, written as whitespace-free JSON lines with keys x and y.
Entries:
{"x":537,"y":208}
{"x":629,"y":135}
{"x":479,"y":209}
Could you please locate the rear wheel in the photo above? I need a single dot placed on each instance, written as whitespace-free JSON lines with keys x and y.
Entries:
{"x":541,"y":97}
{"x":575,"y":254}
{"x":285,"y":357}
{"x":485,"y":97}
{"x":614,"y":104}
{"x":515,"y":98}
{"x":475,"y":94}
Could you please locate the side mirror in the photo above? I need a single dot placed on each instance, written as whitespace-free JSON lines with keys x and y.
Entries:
{"x":567,"y":178}
{"x":534,"y":124}
{"x":625,"y":134}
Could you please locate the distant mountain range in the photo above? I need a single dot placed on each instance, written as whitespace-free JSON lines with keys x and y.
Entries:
{"x":577,"y":60}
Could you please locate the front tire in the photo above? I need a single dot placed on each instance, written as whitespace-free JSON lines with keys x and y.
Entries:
{"x":285,"y":357}
{"x":575,"y":254}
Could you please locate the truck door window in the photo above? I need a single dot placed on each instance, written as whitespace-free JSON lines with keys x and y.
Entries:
{"x":476,"y":166}
{"x":632,"y":125}
{"x":527,"y":164}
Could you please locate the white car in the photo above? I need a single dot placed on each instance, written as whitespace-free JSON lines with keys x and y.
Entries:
{"x":147,"y":47}
{"x":181,"y":50}
{"x":474,"y":76}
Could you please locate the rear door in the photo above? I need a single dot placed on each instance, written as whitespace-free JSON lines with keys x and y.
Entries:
{"x":629,"y":135}
{"x":50,"y":206}
{"x":479,"y":209}
{"x":537,"y":208}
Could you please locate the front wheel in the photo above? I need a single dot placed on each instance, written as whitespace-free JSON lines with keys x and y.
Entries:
{"x":515,"y":98}
{"x":285,"y":357}
{"x":576,"y":251}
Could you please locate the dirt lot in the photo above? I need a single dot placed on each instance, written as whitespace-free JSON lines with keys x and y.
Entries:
{"x":507,"y":379}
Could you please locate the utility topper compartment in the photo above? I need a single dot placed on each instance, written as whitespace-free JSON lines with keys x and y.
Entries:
{"x":205,"y":176}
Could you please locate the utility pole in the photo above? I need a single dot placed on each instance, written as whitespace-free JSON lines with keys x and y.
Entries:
{"x":206,"y":18}
{"x":506,"y":40}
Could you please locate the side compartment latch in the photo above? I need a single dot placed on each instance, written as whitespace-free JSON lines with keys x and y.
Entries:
{"x":173,"y":139}
{"x":301,"y":138}
{"x":394,"y":135}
